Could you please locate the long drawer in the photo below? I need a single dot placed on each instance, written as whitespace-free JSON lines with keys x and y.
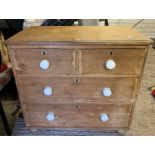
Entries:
{"x":77,"y":116}
{"x":112,"y":61}
{"x":68,"y":90}
{"x":44,"y":61}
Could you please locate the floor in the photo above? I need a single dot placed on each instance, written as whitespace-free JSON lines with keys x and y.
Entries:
{"x":9,"y":101}
{"x":143,"y":122}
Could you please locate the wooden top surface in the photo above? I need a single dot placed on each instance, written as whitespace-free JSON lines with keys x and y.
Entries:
{"x":79,"y":34}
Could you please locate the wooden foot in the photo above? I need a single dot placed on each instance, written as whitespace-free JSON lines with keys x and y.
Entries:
{"x":122,"y":132}
{"x":34,"y":130}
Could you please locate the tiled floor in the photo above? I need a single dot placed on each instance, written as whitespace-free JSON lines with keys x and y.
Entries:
{"x":144,"y":115}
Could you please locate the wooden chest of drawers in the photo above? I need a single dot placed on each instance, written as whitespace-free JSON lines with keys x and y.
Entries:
{"x":78,"y":77}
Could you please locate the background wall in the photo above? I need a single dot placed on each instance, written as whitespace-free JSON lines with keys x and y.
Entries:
{"x":147,"y":26}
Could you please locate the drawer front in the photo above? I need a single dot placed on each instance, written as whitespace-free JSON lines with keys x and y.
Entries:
{"x":44,"y":61}
{"x":112,"y":61}
{"x":77,"y":116}
{"x":64,"y":90}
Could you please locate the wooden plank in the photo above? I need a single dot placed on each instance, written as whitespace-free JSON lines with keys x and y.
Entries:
{"x":86,"y":90}
{"x":78,"y":34}
{"x":78,"y":116}
{"x":21,"y":130}
{"x":128,"y":61}
{"x":74,"y":46}
{"x":61,"y":61}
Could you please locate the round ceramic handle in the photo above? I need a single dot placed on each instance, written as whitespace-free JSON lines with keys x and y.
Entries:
{"x":104,"y":117}
{"x":44,"y":64}
{"x":106,"y":92}
{"x":110,"y":64}
{"x":48,"y":91}
{"x":50,"y":116}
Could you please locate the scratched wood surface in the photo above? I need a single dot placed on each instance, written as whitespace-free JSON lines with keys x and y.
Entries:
{"x":21,"y":130}
{"x":128,"y":61}
{"x":88,"y":90}
{"x":77,"y":116}
{"x":108,"y":34}
{"x":61,"y":61}
{"x":143,"y":122}
{"x":124,"y":85}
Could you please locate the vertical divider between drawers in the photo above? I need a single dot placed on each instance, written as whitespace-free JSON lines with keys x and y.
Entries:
{"x":80,"y":61}
{"x":76,"y":62}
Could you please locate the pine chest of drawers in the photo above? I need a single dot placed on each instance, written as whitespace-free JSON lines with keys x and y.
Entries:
{"x":78,"y":77}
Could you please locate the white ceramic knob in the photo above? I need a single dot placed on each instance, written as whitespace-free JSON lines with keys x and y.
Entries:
{"x":104,"y":117}
{"x":106,"y":92}
{"x":48,"y":91}
{"x":110,"y":64}
{"x":44,"y":64}
{"x":50,"y":116}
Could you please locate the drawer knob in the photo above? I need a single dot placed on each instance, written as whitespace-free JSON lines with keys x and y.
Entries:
{"x":110,"y":64}
{"x":44,"y":64}
{"x":106,"y":92}
{"x":50,"y":116}
{"x":104,"y":117}
{"x":48,"y":91}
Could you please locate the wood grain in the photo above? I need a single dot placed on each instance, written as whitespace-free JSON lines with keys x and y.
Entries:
{"x":78,"y":116}
{"x":87,"y":90}
{"x":107,"y":34}
{"x":27,"y":61}
{"x":77,"y":74}
{"x":21,"y":130}
{"x":128,"y":61}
